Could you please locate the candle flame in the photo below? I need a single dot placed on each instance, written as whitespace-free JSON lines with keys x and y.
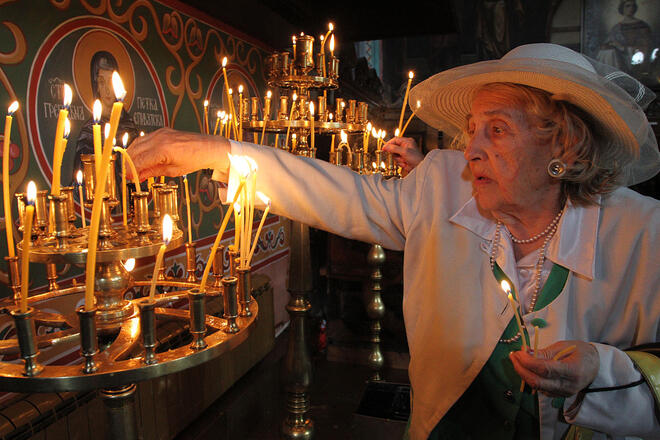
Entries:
{"x":343,"y":104}
{"x":331,"y":27}
{"x":240,"y":88}
{"x":106,"y":130}
{"x":218,"y":114}
{"x":206,"y":103}
{"x":124,"y":139}
{"x":120,"y":91}
{"x":302,"y":34}
{"x":264,"y":198}
{"x":79,"y":177}
{"x":374,"y":165}
{"x":269,"y":94}
{"x":396,"y":132}
{"x":311,"y":108}
{"x":31,"y":193}
{"x":230,"y":91}
{"x":68,"y":96}
{"x":295,"y":96}
{"x":67,"y":128}
{"x":321,"y":37}
{"x":98,"y":109}
{"x":332,"y":43}
{"x":237,"y":207}
{"x":12,"y":108}
{"x":129,"y":264}
{"x":374,"y":132}
{"x":411,"y":75}
{"x":330,"y":116}
{"x":224,"y":62}
{"x":167,"y":228}
{"x":382,"y":165}
{"x":222,"y":114}
{"x":506,"y":286}
{"x":294,"y":136}
{"x":344,"y":136}
{"x":141,"y":133}
{"x":293,"y":38}
{"x":368,"y":126}
{"x":382,"y":134}
{"x":419,"y":103}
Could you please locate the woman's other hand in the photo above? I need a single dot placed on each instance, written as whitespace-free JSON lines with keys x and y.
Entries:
{"x":168,"y":152}
{"x":407,"y":154}
{"x":564,"y":377}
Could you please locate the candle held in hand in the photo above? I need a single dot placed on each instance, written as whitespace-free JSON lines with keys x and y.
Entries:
{"x":9,"y":224}
{"x":405,"y":99}
{"x":167,"y":236}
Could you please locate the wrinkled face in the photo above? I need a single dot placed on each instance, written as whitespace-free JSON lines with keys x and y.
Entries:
{"x":105,"y":90}
{"x":507,"y":161}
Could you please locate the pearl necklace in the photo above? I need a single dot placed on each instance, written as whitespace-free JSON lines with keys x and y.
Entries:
{"x":549,"y":232}
{"x":552,"y":225}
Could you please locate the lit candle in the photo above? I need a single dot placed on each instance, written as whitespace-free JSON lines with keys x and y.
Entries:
{"x":218,"y":237}
{"x":323,"y":40}
{"x":410,"y":118}
{"x":228,"y":90}
{"x":217,"y":122}
{"x":9,"y":224}
{"x":124,"y":192}
{"x":167,"y":236}
{"x":240,"y":112}
{"x":99,"y":190}
{"x":115,"y":115}
{"x":311,"y":121}
{"x":79,"y":179}
{"x":266,"y":202}
{"x":185,"y":185}
{"x":96,"y":130}
{"x":332,"y":45}
{"x":293,"y":38}
{"x":232,"y":118}
{"x":27,"y":235}
{"x":405,"y":99}
{"x":206,"y":116}
{"x":58,"y":149}
{"x":266,"y":115}
{"x":507,"y":289}
{"x":129,"y":264}
{"x":366,"y":134}
{"x":288,"y":128}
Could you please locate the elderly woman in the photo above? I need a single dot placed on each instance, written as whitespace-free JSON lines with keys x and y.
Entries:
{"x":534,"y":199}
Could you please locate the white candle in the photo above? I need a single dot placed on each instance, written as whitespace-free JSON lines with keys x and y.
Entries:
{"x":79,"y":179}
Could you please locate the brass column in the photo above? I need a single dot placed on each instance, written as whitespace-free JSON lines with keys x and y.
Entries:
{"x":120,"y":412}
{"x":298,"y":361}
{"x":376,"y":309}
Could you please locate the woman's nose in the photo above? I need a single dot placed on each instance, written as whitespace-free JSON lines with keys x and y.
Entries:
{"x":474,"y":147}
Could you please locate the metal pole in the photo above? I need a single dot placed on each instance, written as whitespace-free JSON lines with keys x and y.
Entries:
{"x":121,"y":417}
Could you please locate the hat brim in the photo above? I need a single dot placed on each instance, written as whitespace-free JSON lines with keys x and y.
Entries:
{"x":446,"y":98}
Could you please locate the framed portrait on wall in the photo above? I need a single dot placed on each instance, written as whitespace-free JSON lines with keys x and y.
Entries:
{"x":624,"y":34}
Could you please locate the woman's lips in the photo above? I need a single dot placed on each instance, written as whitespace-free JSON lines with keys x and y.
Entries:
{"x":482,"y":180}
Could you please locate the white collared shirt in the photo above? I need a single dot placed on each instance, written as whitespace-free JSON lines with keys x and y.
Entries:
{"x":454,"y":309}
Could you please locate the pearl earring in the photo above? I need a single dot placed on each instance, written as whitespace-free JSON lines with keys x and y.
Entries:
{"x":556,"y":168}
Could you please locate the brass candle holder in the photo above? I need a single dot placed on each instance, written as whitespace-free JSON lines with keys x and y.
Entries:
{"x":244,"y":291}
{"x":148,"y":327}
{"x":26,"y":333}
{"x":230,"y":303}
{"x":196,"y":301}
{"x":89,"y":346}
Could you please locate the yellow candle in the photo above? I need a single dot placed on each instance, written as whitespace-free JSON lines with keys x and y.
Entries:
{"x":58,"y":150}
{"x":266,"y":115}
{"x":9,"y":224}
{"x":185,"y":184}
{"x":96,"y":130}
{"x":267,"y":202}
{"x":218,"y":237}
{"x":217,"y":121}
{"x":323,"y":40}
{"x":228,"y":90}
{"x":410,"y":119}
{"x":288,"y":128}
{"x":405,"y":98}
{"x":332,"y":45}
{"x":240,"y":112}
{"x":237,"y":225}
{"x":167,"y":236}
{"x":206,"y":116}
{"x":311,"y":121}
{"x":332,"y":144}
{"x":27,"y":233}
{"x":79,"y":179}
{"x":124,"y":193}
{"x":99,"y":191}
{"x":565,"y":352}
{"x":57,"y":166}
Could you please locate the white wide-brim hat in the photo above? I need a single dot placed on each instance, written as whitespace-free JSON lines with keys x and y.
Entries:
{"x":446,"y":98}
